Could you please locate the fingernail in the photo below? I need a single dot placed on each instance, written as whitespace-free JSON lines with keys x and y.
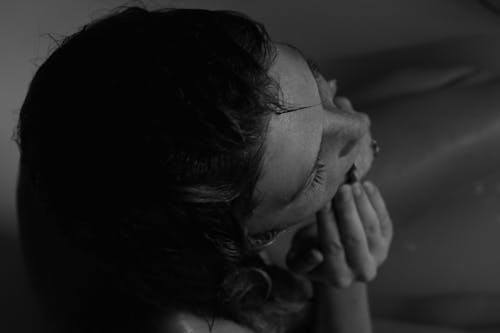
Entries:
{"x":343,"y":192}
{"x":356,"y":189}
{"x":369,"y":186}
{"x":315,"y":256}
{"x":344,"y":189}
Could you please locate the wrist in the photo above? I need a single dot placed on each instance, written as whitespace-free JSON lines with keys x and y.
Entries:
{"x":342,"y":310}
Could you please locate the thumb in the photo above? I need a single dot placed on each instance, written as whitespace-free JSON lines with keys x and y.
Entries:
{"x":305,"y":239}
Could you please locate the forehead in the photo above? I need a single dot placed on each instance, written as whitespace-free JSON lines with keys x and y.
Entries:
{"x":292,"y":138}
{"x":292,"y":73}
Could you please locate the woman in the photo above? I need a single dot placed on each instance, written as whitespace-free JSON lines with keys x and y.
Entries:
{"x":167,"y":150}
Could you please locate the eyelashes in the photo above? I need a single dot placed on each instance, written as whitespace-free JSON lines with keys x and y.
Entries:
{"x":319,"y":176}
{"x":320,"y":169}
{"x":264,"y":239}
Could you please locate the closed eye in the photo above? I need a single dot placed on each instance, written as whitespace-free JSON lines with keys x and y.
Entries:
{"x":258,"y":242}
{"x":319,"y":176}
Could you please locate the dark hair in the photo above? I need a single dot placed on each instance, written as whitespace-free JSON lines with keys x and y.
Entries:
{"x":143,"y":133}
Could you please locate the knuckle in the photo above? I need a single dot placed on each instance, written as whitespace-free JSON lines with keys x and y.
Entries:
{"x":342,"y":282}
{"x":385,"y":218}
{"x":386,"y":225}
{"x":371,"y":230}
{"x":368,"y":273}
{"x":377,"y":244}
{"x":353,"y":241}
{"x":334,"y":249}
{"x":388,"y":235}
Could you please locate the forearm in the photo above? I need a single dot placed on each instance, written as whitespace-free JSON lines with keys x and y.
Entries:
{"x":342,"y":310}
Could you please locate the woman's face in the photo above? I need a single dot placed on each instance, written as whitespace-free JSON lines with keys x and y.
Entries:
{"x":308,"y":151}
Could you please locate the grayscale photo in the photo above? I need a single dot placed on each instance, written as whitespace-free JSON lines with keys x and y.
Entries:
{"x":281,"y":166}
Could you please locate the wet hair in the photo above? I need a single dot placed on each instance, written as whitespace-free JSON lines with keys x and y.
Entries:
{"x":143,"y":134}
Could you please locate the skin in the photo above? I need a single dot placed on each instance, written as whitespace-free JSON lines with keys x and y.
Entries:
{"x":472,"y":222}
{"x":441,"y":186}
{"x":468,"y":236}
{"x":293,"y":140}
{"x":346,"y":227}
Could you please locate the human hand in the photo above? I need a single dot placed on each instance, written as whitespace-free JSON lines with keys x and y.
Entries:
{"x":350,"y":240}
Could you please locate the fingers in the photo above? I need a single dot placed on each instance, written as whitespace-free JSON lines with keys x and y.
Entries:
{"x":369,"y":218}
{"x":304,"y":254}
{"x":386,"y":227}
{"x":350,"y":239}
{"x":335,"y":262}
{"x":379,"y":205}
{"x":304,"y":261}
{"x":353,"y":235}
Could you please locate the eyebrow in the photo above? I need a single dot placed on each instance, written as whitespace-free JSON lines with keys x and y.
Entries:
{"x":313,"y":67}
{"x":296,"y":109}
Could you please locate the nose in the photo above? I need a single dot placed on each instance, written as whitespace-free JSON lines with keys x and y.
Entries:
{"x":350,"y":127}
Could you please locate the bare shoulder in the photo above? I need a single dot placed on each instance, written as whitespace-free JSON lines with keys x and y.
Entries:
{"x":183,"y":322}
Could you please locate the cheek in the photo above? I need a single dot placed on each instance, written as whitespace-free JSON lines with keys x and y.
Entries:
{"x":338,"y":168}
{"x":277,"y":252}
{"x":334,"y":181}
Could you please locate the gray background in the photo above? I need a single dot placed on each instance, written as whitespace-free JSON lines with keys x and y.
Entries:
{"x":325,"y":30}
